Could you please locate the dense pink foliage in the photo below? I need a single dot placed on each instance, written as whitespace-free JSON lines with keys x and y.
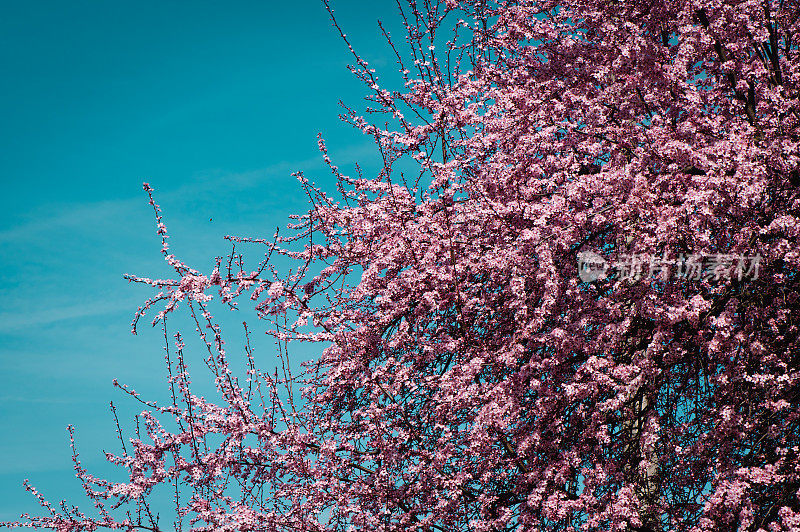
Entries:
{"x":470,"y":381}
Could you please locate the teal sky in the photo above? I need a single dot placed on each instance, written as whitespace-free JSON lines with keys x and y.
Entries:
{"x":214,"y":104}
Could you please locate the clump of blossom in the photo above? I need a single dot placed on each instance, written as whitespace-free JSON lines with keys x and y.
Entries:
{"x":470,"y":380}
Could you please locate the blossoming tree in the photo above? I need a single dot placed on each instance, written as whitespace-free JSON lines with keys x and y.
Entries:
{"x":469,"y":378}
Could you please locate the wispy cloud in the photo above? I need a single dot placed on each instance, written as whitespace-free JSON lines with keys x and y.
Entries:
{"x":87,"y":214}
{"x":95,"y":213}
{"x":14,"y":321}
{"x":4,"y":399}
{"x":87,"y":225}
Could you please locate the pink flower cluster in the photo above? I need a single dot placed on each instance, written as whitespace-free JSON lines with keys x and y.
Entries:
{"x":469,"y":381}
